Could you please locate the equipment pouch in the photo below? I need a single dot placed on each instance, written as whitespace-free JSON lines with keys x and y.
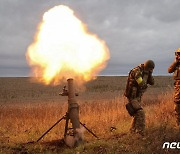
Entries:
{"x":130,"y":109}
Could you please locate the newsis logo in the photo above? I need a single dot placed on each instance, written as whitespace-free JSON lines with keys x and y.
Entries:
{"x":172,"y":145}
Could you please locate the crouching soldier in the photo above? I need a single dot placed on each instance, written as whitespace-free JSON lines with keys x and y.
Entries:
{"x":175,"y":67}
{"x":137,"y":83}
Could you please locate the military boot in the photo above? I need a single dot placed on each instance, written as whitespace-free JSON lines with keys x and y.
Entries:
{"x":133,"y":129}
{"x":140,"y":122}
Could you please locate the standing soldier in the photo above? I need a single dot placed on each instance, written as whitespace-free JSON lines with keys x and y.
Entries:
{"x":137,"y":82}
{"x":175,"y":67}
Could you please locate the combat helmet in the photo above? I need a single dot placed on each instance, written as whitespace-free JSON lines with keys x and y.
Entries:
{"x":149,"y":64}
{"x":177,"y":52}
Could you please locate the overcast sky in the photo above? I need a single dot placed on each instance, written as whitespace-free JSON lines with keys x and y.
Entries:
{"x":134,"y":30}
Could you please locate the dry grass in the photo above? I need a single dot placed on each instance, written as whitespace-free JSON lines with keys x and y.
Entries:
{"x":24,"y":118}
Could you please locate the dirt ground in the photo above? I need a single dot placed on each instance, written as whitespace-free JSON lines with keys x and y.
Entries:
{"x":28,"y":108}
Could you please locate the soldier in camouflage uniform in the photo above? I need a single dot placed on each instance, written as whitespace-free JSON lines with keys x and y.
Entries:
{"x":175,"y":67}
{"x":137,"y":82}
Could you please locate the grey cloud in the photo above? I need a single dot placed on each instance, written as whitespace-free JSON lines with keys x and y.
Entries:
{"x":14,"y":71}
{"x":8,"y":61}
{"x":133,"y":30}
{"x":163,"y":10}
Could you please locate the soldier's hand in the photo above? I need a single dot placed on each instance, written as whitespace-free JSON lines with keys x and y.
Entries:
{"x":151,"y":71}
{"x":176,"y":60}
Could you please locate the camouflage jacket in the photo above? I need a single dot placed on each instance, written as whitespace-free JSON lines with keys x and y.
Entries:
{"x":134,"y":74}
{"x":175,"y":67}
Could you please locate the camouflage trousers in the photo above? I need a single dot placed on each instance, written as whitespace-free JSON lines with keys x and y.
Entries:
{"x":138,"y":122}
{"x":177,"y":100}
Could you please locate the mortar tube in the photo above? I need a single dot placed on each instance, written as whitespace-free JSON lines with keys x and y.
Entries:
{"x":73,"y":109}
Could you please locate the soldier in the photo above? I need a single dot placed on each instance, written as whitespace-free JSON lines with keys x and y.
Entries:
{"x":139,"y":78}
{"x":175,"y":67}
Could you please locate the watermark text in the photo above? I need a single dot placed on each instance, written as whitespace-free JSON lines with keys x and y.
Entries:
{"x":171,"y":145}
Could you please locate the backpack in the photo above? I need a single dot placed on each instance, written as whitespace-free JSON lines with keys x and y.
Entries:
{"x":128,"y":89}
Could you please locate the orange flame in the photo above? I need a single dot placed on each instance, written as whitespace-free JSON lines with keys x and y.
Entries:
{"x":63,"y":48}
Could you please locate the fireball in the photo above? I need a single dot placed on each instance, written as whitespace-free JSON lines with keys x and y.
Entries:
{"x":63,"y":48}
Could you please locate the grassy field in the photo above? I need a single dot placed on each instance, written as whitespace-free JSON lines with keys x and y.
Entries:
{"x":28,"y":109}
